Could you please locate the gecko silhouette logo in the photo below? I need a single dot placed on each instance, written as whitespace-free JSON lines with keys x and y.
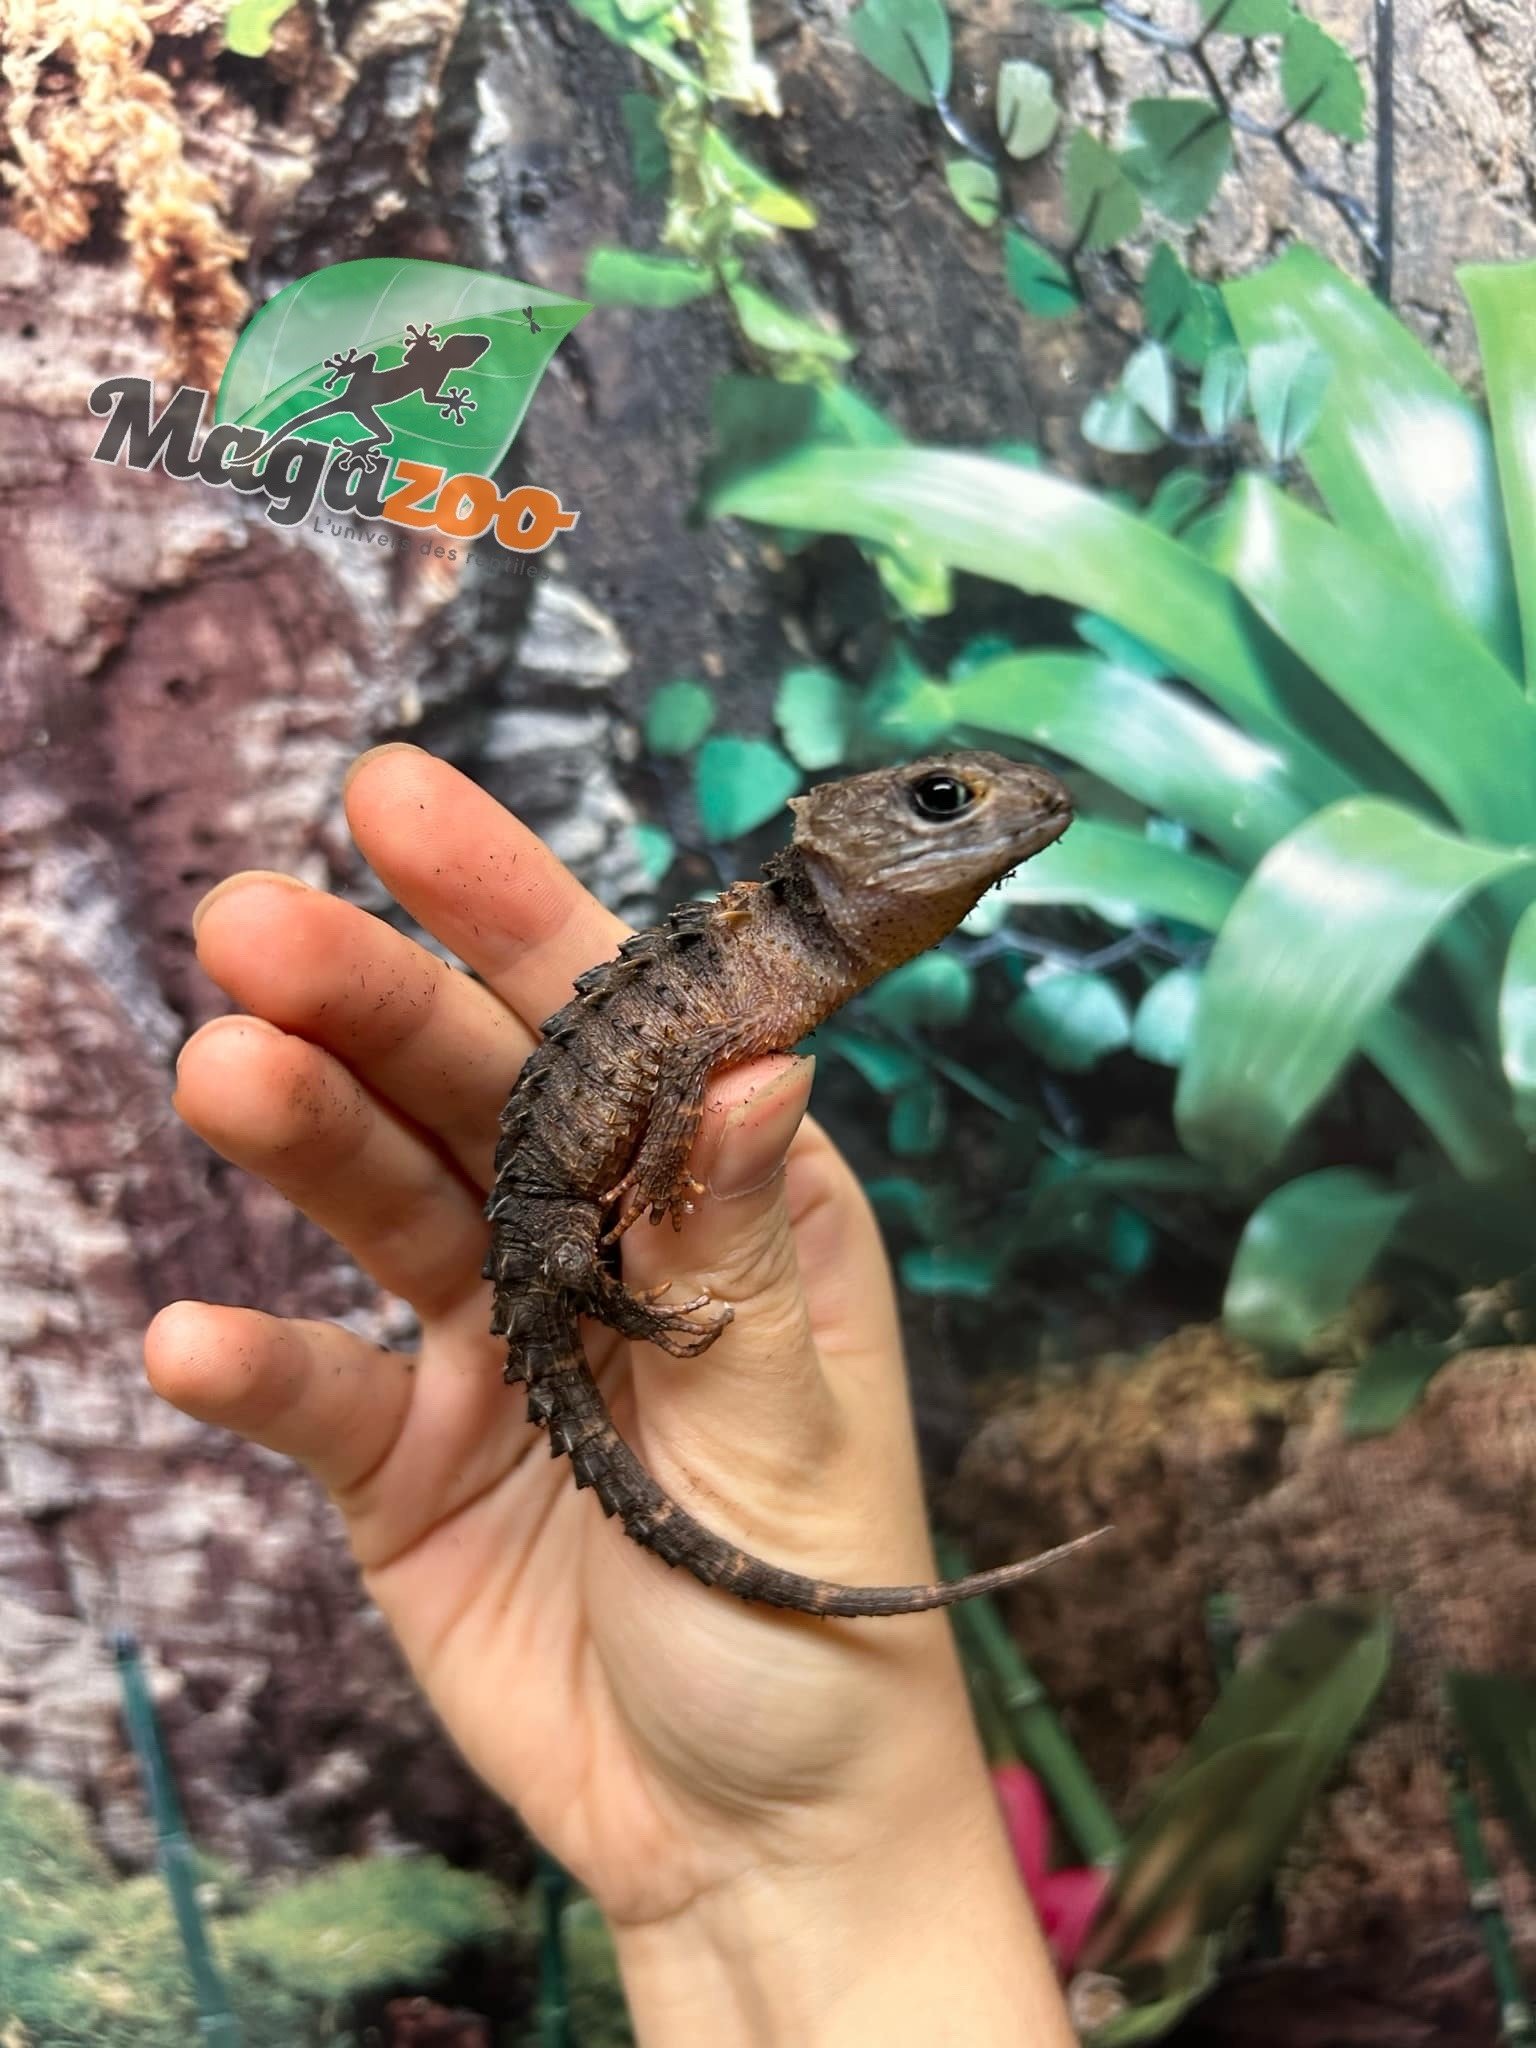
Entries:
{"x":386,"y":390}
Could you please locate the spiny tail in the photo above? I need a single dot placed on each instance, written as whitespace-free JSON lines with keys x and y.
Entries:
{"x":562,"y":1394}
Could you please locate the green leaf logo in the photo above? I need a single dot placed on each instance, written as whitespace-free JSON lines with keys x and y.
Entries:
{"x":399,"y":360}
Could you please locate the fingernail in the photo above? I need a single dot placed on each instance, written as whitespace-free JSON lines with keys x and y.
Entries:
{"x":241,"y":881}
{"x":235,"y":1021}
{"x":373,"y":753}
{"x":757,"y":1133}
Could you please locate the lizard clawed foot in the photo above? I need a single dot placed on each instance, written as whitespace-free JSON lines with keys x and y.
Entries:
{"x":678,"y":1330}
{"x":676,"y":1202}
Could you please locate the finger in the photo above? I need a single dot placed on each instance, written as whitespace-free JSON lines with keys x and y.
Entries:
{"x":431,"y":1042}
{"x":311,"y":1391}
{"x":292,"y":1114}
{"x":477,"y":879}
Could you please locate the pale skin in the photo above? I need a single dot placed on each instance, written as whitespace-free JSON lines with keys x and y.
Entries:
{"x":787,"y":1821}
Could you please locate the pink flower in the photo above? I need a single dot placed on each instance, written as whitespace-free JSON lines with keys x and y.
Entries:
{"x":1066,"y":1900}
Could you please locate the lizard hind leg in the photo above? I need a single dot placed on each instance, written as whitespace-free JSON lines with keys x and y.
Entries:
{"x":676,"y":1328}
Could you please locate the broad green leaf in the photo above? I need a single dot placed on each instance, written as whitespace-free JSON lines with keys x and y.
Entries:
{"x":1177,"y":154}
{"x":1124,"y":649}
{"x":1180,"y":497}
{"x":678,"y":716}
{"x":903,"y":709}
{"x":951,"y":1269}
{"x":740,"y":784}
{"x":934,"y":989}
{"x":649,"y":37}
{"x":1027,"y":113}
{"x":1124,"y":878}
{"x":1517,"y":1023}
{"x":814,"y":712}
{"x":1156,"y":744}
{"x":1452,"y":1093}
{"x":887,"y":1067}
{"x":907,"y":40}
{"x":277,"y":372}
{"x":1179,"y":1984}
{"x":1401,"y":455}
{"x":656,"y":848}
{"x":1323,"y":934}
{"x":1040,"y":283}
{"x":1072,"y":1020}
{"x":918,"y":1120}
{"x":1408,"y":670}
{"x":1389,"y":1384}
{"x":975,"y":189}
{"x":1497,"y":1715}
{"x":897,"y":1197}
{"x":1115,"y":422}
{"x":648,"y":160}
{"x":1288,"y":385}
{"x":780,"y":332}
{"x":1102,"y":206}
{"x":1058,"y":539}
{"x":628,"y":277}
{"x":1178,"y":311}
{"x":750,"y":186}
{"x":249,"y":24}
{"x":1305,"y":1252}
{"x":1223,"y":391}
{"x":1503,"y":301}
{"x":1165,"y":1017}
{"x":1247,"y":17}
{"x":1321,"y":82}
{"x":1224,"y":1816}
{"x":1148,"y":379}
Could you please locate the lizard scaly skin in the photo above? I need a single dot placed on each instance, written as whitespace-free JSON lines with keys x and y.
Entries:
{"x":598,"y":1129}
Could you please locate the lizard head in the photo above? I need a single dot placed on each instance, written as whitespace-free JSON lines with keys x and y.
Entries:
{"x":900,"y":855}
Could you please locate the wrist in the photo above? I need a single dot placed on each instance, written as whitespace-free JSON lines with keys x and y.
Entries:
{"x":903,"y":1922}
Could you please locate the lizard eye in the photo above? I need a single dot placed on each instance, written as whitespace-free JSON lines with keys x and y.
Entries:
{"x":940,"y":796}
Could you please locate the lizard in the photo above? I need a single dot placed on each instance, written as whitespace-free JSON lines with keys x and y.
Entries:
{"x":428,"y":358}
{"x":600,"y":1123}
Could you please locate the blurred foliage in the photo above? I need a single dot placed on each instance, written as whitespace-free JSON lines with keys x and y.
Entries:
{"x":1306,"y":759}
{"x":87,"y":1958}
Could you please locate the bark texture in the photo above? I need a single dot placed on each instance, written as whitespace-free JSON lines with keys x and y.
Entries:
{"x":181,"y":687}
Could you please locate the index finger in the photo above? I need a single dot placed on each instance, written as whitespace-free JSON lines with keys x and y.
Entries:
{"x":477,"y":878}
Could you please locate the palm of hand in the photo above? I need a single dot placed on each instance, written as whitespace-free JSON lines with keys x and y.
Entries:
{"x":652,"y":1732}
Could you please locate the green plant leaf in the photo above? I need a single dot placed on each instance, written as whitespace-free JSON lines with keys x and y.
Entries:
{"x":656,"y":848}
{"x":1126,"y":650}
{"x":1497,"y":1715}
{"x":1102,"y":205}
{"x":628,"y":277}
{"x":1165,"y":1017}
{"x":1114,"y":422}
{"x":908,"y":41}
{"x":1517,"y":1022}
{"x":975,"y":190}
{"x":1040,"y":283}
{"x":648,"y":160}
{"x":1178,"y":311}
{"x":1305,"y":1251}
{"x":1027,"y":113}
{"x":1247,"y":17}
{"x":1503,"y":301}
{"x":1124,"y":878}
{"x":814,"y":713}
{"x":1321,"y":82}
{"x":740,"y":784}
{"x":1180,"y":497}
{"x":1178,"y":153}
{"x":951,"y":1269}
{"x":1390,"y":1383}
{"x":678,"y":716}
{"x":749,"y":185}
{"x":779,"y":332}
{"x":934,"y":989}
{"x":1401,"y":455}
{"x":1288,"y":384}
{"x":1148,"y":380}
{"x":1223,"y":391}
{"x":649,"y":37}
{"x":1224,"y":1816}
{"x":918,"y":1120}
{"x":904,"y":711}
{"x":1322,"y":935}
{"x":249,"y":24}
{"x":1072,"y":1020}
{"x":888,"y":1068}
{"x":1155,"y":744}
{"x":277,"y":371}
{"x":1406,"y":668}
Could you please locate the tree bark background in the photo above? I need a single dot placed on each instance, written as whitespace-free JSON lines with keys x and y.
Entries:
{"x":182,"y":686}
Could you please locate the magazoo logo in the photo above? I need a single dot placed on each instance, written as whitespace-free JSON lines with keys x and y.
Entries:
{"x":389,"y":390}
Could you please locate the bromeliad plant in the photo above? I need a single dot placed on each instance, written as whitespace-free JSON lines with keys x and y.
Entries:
{"x":1308,"y":733}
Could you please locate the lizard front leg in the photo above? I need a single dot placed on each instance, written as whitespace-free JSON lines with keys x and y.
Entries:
{"x":658,"y":1183}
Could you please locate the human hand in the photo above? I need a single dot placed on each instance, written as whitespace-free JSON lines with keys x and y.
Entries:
{"x":698,"y":1763}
